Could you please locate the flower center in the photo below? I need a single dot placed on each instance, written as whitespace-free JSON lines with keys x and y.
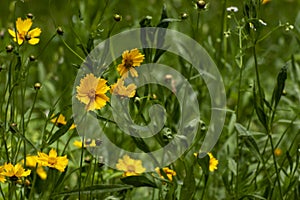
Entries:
{"x":52,"y":160}
{"x":128,"y":63}
{"x":92,"y":94}
{"x":131,"y":168}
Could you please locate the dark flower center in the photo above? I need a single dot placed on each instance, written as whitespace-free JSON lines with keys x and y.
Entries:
{"x":92,"y":94}
{"x":131,"y":168}
{"x":128,"y":63}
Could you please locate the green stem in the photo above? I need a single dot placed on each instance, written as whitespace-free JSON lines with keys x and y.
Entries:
{"x":70,"y":49}
{"x":275,"y":165}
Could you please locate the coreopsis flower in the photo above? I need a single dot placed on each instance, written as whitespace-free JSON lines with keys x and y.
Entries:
{"x":86,"y":143}
{"x":60,"y":121}
{"x":277,"y":152}
{"x":52,"y":160}
{"x":130,"y":166}
{"x":91,"y":92}
{"x":14,"y":171}
{"x":169,"y":172}
{"x":130,"y":60}
{"x":121,"y":90}
{"x":2,"y":177}
{"x":265,"y":1}
{"x":213,"y":162}
{"x":31,"y":161}
{"x":23,"y":32}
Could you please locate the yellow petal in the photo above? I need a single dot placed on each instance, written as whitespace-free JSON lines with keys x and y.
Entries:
{"x":35,"y":32}
{"x":12,"y":32}
{"x":34,"y":41}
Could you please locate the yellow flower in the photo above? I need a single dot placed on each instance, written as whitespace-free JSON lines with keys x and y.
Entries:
{"x":130,"y":166}
{"x":31,"y":161}
{"x":119,"y":89}
{"x":213,"y":162}
{"x":87,"y":143}
{"x":22,"y":33}
{"x":265,"y":1}
{"x":277,"y":152}
{"x":91,"y":92}
{"x":61,"y":120}
{"x":130,"y":60}
{"x":52,"y":160}
{"x":16,"y":171}
{"x":2,"y":177}
{"x":170,"y":173}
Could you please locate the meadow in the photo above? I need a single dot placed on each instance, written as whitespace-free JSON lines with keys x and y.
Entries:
{"x":158,"y":100}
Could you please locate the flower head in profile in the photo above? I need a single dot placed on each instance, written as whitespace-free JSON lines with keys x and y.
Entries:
{"x":2,"y":177}
{"x":130,"y":60}
{"x":265,"y":1}
{"x":130,"y":166}
{"x":87,"y":143}
{"x":213,"y":162}
{"x":31,"y":161}
{"x":52,"y":160}
{"x":121,"y":90}
{"x":91,"y":92}
{"x":170,"y":173}
{"x":23,"y":32}
{"x":61,"y":121}
{"x":14,"y":171}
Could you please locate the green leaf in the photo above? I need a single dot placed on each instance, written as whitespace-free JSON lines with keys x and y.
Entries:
{"x":279,"y":87}
{"x":60,"y":132}
{"x":259,"y":102}
{"x":95,"y":189}
{"x":189,"y":184}
{"x":139,"y":181}
{"x":203,"y":162}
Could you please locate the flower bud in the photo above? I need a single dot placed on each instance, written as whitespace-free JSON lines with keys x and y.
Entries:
{"x":184,"y":16}
{"x":201,"y":4}
{"x":117,"y":17}
{"x":9,"y":48}
{"x":30,"y":15}
{"x":32,"y":58}
{"x":59,"y":31}
{"x":37,"y":86}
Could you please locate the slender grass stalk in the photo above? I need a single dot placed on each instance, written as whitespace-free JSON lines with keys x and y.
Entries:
{"x":70,"y":49}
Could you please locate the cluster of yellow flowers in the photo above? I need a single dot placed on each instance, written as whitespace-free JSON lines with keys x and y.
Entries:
{"x":16,"y":172}
{"x":92,"y":90}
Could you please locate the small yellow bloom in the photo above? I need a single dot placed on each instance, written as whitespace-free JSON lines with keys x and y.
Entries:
{"x":17,"y":171}
{"x":119,"y":89}
{"x":130,"y":166}
{"x":277,"y":152}
{"x":130,"y":60}
{"x":87,"y":143}
{"x":213,"y":162}
{"x":31,"y":161}
{"x":52,"y":160}
{"x":265,"y":1}
{"x":61,"y":120}
{"x":2,"y":176}
{"x":91,"y":92}
{"x":22,"y":33}
{"x":170,"y":173}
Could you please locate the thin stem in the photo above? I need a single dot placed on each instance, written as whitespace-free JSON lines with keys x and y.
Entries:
{"x":76,"y":54}
{"x":275,"y":165}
